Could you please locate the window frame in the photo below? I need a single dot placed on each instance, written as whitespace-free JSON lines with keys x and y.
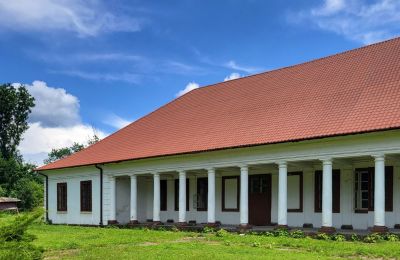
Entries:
{"x":205,"y":180}
{"x":300,"y":174}
{"x":176,"y":194}
{"x":318,"y":179}
{"x":223,"y":208}
{"x":163,"y":195}
{"x":86,"y":206}
{"x":62,"y":197}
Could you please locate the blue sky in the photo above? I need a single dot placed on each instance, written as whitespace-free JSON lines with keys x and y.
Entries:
{"x":100,"y":64}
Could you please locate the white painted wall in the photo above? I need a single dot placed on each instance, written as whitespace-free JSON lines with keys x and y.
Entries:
{"x":73,"y":177}
{"x":339,"y":147}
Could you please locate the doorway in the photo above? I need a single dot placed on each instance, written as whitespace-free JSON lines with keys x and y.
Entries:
{"x":260,"y":199}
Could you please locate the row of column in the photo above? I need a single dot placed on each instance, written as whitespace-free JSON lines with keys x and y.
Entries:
{"x":327,"y":225}
{"x":379,"y":191}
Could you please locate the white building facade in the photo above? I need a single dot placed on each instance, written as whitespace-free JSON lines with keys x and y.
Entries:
{"x":330,"y":183}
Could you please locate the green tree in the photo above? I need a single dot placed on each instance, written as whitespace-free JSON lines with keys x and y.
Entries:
{"x":15,"y":105}
{"x":57,"y":154}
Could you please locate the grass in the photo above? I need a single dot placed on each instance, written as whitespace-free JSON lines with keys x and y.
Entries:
{"x":72,"y":242}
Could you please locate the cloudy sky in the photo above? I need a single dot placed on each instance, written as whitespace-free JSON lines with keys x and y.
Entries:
{"x":95,"y":66}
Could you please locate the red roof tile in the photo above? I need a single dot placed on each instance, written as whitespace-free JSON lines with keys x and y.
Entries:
{"x":352,"y":92}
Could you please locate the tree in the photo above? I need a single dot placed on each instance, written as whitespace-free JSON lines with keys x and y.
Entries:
{"x":57,"y":154}
{"x":15,"y":105}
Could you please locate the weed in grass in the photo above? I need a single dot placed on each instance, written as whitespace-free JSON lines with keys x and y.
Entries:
{"x":281,"y":232}
{"x":323,"y":236}
{"x":221,"y":233}
{"x":208,"y":229}
{"x":391,"y":237}
{"x":373,"y":238}
{"x":256,"y":244}
{"x":354,"y":237}
{"x":297,"y":234}
{"x":339,"y":238}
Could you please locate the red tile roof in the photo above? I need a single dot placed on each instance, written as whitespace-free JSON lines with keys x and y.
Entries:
{"x":353,"y":92}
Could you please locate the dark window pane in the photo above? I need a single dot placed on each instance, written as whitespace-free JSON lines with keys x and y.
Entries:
{"x":86,"y":195}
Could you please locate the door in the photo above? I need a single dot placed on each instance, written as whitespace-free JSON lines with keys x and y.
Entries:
{"x":260,"y":199}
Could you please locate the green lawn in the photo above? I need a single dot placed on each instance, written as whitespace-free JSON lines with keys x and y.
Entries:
{"x":71,"y":242}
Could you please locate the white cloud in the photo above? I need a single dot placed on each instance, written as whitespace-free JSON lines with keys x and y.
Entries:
{"x":189,"y":87}
{"x":233,"y":75}
{"x":85,"y":18}
{"x":54,"y":123}
{"x":248,"y":69}
{"x":53,"y":106}
{"x":116,"y":121}
{"x":131,"y":78}
{"x":39,"y":140}
{"x":357,"y":20}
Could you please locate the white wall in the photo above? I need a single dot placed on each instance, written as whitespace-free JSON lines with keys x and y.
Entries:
{"x":73,"y":177}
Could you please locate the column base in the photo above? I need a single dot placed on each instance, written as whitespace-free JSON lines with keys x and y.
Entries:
{"x":281,"y":227}
{"x":379,"y":229}
{"x":243,"y":228}
{"x":133,"y":222}
{"x":213,"y":224}
{"x":112,"y":222}
{"x":327,"y":230}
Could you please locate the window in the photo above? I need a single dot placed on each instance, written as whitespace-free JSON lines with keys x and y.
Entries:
{"x":163,"y":195}
{"x":62,"y":196}
{"x":335,"y":191}
{"x":230,"y":193}
{"x":295,"y":191}
{"x":202,"y":194}
{"x":177,"y":194}
{"x":86,"y":196}
{"x":364,"y":182}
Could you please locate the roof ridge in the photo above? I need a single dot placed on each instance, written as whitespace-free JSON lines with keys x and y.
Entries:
{"x":302,"y":63}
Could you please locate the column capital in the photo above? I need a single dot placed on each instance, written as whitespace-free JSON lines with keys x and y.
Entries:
{"x":182,"y":172}
{"x":211,"y":168}
{"x":133,"y":175}
{"x":326,"y":160}
{"x":281,"y":163}
{"x":379,"y":157}
{"x":156,"y":174}
{"x":243,"y":166}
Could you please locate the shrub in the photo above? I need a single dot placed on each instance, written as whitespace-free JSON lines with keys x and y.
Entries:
{"x":29,"y":192}
{"x":339,"y":238}
{"x":297,"y":234}
{"x":281,"y":232}
{"x":208,"y":229}
{"x":174,"y":229}
{"x":323,"y":236}
{"x":221,"y":233}
{"x":267,"y":234}
{"x":373,"y":238}
{"x":391,"y":237}
{"x":354,"y":237}
{"x":15,"y":243}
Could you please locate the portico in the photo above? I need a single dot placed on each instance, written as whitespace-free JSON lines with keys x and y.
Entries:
{"x":233,"y":180}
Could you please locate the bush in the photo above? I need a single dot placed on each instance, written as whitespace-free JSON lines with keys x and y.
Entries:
{"x":221,"y":233}
{"x":208,"y":229}
{"x":323,"y":236}
{"x":354,"y":237}
{"x":373,"y":238}
{"x":267,"y":234}
{"x":297,"y":234}
{"x":29,"y":192}
{"x":281,"y":232}
{"x":15,"y":243}
{"x":339,"y":238}
{"x":391,"y":237}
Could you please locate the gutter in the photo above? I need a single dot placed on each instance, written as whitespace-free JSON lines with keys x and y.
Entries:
{"x":101,"y":193}
{"x":47,"y":195}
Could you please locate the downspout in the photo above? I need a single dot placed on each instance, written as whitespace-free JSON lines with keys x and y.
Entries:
{"x":101,"y":193}
{"x":47,"y":195}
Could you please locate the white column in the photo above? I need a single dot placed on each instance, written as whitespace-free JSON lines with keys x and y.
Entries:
{"x":282,"y":195}
{"x":327,"y":193}
{"x":244,"y":195}
{"x":379,"y":203}
{"x":182,"y":197}
{"x":133,"y":198}
{"x":112,"y":199}
{"x":211,"y":196}
{"x":156,"y":197}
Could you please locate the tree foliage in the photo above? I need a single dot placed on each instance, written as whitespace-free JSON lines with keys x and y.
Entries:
{"x":57,"y":154}
{"x":15,"y":105}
